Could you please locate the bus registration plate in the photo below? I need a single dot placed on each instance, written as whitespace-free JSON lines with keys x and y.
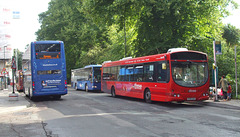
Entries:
{"x":191,"y":98}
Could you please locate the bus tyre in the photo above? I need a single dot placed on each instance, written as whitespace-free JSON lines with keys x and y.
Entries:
{"x":113,"y":92}
{"x":29,"y":95}
{"x":86,"y":88}
{"x":147,"y":96}
{"x":57,"y":97}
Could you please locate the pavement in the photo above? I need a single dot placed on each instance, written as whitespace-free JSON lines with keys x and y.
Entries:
{"x":18,"y":116}
{"x":232,"y":104}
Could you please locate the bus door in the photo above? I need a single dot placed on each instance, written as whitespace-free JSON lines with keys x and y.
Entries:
{"x":138,"y":79}
{"x":97,"y":78}
{"x":120,"y":88}
{"x":162,"y":78}
{"x":129,"y":84}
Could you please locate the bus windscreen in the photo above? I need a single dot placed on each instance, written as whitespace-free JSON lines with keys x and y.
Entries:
{"x":48,"y":51}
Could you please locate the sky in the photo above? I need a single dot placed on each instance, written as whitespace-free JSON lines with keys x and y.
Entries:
{"x":23,"y":30}
{"x":234,"y":18}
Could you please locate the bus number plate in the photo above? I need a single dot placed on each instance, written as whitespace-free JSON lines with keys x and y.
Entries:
{"x":191,"y":98}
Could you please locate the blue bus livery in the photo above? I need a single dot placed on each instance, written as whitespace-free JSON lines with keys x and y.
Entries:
{"x":87,"y":78}
{"x":44,"y":69}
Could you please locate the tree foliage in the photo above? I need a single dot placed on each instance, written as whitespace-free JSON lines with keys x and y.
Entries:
{"x":95,"y":30}
{"x":231,"y":34}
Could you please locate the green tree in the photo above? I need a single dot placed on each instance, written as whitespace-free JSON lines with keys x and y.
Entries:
{"x":232,"y":36}
{"x":65,"y":21}
{"x":95,"y":30}
{"x":160,"y":24}
{"x":18,"y":55}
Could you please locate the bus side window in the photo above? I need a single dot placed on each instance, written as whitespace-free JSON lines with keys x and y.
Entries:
{"x":148,"y":73}
{"x":106,"y":73}
{"x":129,"y":73}
{"x":122,"y":73}
{"x":113,"y":73}
{"x":138,"y":73}
{"x":162,"y":72}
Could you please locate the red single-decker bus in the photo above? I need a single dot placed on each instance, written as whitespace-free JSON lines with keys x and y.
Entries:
{"x":178,"y":75}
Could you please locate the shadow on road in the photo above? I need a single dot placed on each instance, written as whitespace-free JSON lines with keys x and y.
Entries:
{"x":90,"y":91}
{"x":174,"y":105}
{"x":43,"y":98}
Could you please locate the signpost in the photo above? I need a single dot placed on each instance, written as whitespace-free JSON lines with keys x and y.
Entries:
{"x":215,"y":71}
{"x":13,"y":95}
{"x":216,"y":50}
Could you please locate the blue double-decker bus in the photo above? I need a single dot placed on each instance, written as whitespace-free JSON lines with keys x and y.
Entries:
{"x":44,"y":69}
{"x":87,"y":78}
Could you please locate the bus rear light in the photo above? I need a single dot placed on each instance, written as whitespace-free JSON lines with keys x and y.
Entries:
{"x":65,"y":84}
{"x":33,"y":85}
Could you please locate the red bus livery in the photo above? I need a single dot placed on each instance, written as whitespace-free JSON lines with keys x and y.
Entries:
{"x":174,"y":76}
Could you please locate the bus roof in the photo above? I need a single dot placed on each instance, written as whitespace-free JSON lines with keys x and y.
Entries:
{"x":93,"y":66}
{"x":47,"y":42}
{"x":145,"y":59}
{"x":88,"y":66}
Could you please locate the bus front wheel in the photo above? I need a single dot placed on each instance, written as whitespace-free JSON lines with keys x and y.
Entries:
{"x":147,"y":96}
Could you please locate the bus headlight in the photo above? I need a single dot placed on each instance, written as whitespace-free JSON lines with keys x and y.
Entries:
{"x":176,"y":95}
{"x":205,"y":94}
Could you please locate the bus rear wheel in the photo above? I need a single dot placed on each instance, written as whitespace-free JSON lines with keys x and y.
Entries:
{"x":147,"y":96}
{"x":30,"y":95}
{"x":57,"y":97}
{"x":113,"y":92}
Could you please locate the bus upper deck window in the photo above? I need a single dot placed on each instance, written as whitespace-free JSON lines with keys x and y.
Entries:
{"x":48,"y":51}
